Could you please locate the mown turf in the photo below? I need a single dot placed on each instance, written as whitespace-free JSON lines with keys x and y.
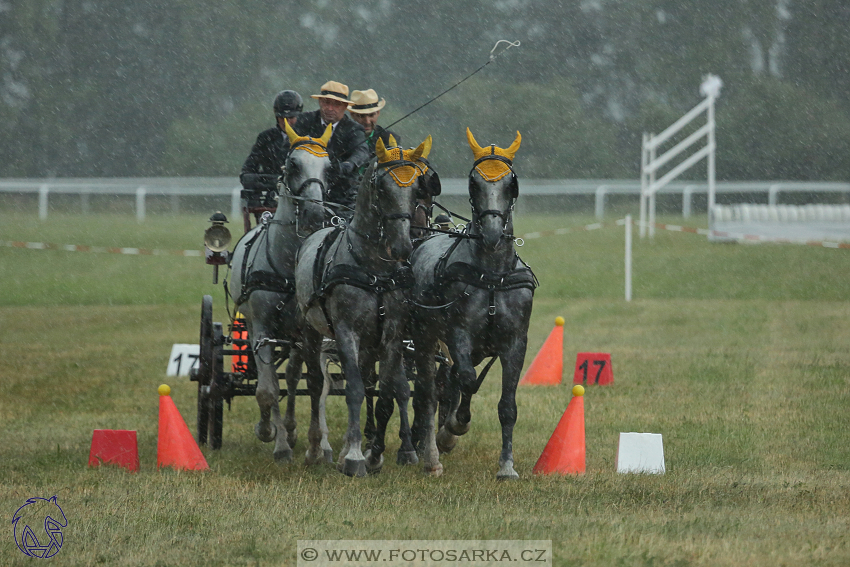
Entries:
{"x":736,"y":354}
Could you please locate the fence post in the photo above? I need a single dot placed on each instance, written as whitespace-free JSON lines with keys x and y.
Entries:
{"x":600,"y":201}
{"x":687,"y":193}
{"x":628,"y":257}
{"x":42,"y":202}
{"x":236,"y":203}
{"x":140,"y":204}
{"x":653,"y":190}
{"x":643,"y":164}
{"x":772,"y":194}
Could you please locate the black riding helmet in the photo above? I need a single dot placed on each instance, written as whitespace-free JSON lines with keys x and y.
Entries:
{"x":287,"y":104}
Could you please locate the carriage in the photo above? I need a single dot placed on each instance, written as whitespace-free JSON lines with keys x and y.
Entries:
{"x":351,"y":285}
{"x":217,"y":381}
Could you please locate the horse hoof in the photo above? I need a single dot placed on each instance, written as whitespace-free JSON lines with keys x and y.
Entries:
{"x":407,"y":458}
{"x":435,"y":471}
{"x":283,"y":457}
{"x":311,"y":458}
{"x":329,"y":455}
{"x":507,"y":472}
{"x":353,"y":467}
{"x":292,"y":437}
{"x":446,"y":441}
{"x":373,"y":466}
{"x":266,"y":435}
{"x":456,"y":428}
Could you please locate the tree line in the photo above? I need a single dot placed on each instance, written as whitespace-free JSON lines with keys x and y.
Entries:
{"x":92,"y":88}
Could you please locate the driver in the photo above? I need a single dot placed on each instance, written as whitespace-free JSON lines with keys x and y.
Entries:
{"x":268,"y":156}
{"x":347,"y":148}
{"x":365,"y":110}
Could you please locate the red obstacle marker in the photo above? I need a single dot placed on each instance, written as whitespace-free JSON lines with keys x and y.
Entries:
{"x":548,"y":366}
{"x":175,"y":446}
{"x":239,"y":363}
{"x":114,"y":447}
{"x":565,"y":451}
{"x":593,"y":368}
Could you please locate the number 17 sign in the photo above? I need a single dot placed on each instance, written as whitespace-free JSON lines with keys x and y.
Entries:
{"x":593,"y":368}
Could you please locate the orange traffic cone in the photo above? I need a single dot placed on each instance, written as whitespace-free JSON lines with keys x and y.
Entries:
{"x":548,"y":366}
{"x":565,"y":451}
{"x":176,"y":447}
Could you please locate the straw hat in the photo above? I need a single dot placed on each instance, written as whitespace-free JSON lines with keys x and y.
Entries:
{"x":366,"y":102}
{"x":334,"y":90}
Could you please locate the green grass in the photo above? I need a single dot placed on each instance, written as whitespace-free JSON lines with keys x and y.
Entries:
{"x":736,"y":354}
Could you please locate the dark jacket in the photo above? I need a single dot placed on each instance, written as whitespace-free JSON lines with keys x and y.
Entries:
{"x":268,"y":156}
{"x":382,"y":133}
{"x":347,"y":145}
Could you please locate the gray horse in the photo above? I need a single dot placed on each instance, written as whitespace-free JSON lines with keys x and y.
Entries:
{"x":351,"y":283}
{"x":474,"y":293}
{"x":262,"y":285}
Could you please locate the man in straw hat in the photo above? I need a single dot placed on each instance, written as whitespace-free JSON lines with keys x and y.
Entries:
{"x":365,"y":109}
{"x":347,"y":149}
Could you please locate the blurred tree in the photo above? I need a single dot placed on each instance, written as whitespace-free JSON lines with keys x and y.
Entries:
{"x":818,"y":47}
{"x":772,"y":130}
{"x":114,"y":88}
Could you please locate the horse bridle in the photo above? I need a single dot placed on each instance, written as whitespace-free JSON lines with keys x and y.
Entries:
{"x":386,"y":167}
{"x":295,"y":196}
{"x":506,"y":214}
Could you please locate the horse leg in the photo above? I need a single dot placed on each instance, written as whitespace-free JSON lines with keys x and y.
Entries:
{"x":293,"y":376}
{"x":327,"y":450}
{"x":268,"y":394}
{"x":351,"y":460}
{"x":461,"y":383}
{"x":407,"y":451}
{"x":424,"y":406}
{"x":511,"y":360}
{"x":369,"y":429}
{"x":375,"y":430}
{"x":317,"y":386}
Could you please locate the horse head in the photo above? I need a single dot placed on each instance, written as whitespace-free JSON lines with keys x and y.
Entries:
{"x":424,"y":199}
{"x":397,"y":182}
{"x":493,"y":189}
{"x":305,"y":179}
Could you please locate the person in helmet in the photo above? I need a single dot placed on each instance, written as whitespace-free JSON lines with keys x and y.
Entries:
{"x":268,"y":156}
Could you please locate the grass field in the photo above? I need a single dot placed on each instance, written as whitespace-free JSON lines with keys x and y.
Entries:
{"x":737,"y":354}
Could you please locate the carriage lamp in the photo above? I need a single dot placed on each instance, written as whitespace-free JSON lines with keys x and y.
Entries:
{"x":216,"y":240}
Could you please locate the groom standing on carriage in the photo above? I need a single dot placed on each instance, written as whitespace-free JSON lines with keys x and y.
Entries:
{"x":348,"y":149}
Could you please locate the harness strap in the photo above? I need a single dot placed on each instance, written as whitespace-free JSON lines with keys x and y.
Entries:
{"x":326,"y":277}
{"x":266,"y":281}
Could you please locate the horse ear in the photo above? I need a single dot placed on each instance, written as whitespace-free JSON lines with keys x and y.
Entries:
{"x":326,"y":137}
{"x":289,"y":132}
{"x":381,"y":151}
{"x":473,"y":145}
{"x":511,"y":151}
{"x":434,"y":185}
{"x":422,"y":150}
{"x":393,"y":143}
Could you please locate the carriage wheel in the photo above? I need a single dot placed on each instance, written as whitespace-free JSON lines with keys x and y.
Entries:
{"x":205,"y":365}
{"x":214,"y":401}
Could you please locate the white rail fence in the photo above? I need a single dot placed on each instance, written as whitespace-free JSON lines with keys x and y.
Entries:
{"x":177,"y":187}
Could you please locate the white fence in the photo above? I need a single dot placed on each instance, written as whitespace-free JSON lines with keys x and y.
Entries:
{"x":176,"y":187}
